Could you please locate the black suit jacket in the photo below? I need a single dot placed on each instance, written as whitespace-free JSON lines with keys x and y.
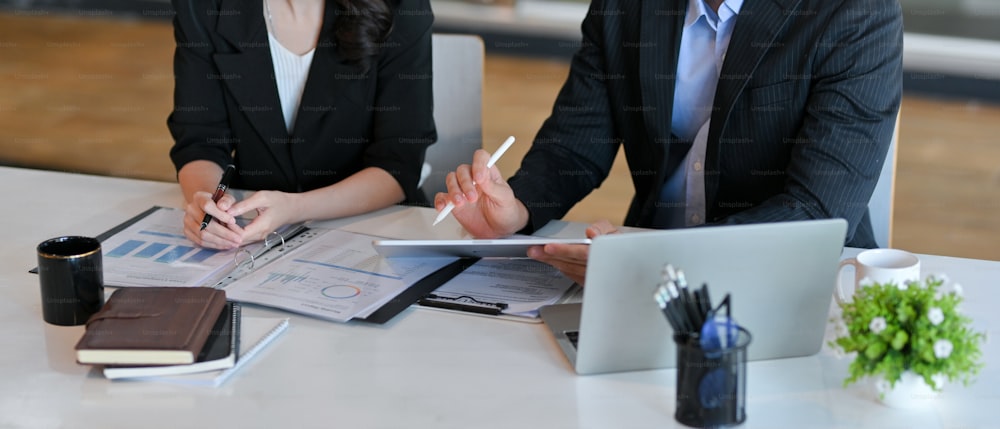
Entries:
{"x":803,"y":114}
{"x":226,"y":106}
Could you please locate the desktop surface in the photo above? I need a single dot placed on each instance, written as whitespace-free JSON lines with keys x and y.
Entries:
{"x":423,"y":369}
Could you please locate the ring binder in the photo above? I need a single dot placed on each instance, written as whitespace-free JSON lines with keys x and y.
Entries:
{"x":267,"y":245}
{"x":289,"y":237}
{"x":463,"y":303}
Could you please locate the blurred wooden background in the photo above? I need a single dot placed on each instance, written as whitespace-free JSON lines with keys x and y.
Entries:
{"x":92,"y":95}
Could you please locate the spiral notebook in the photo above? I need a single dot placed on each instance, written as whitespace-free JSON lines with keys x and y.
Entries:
{"x":219,"y":352}
{"x":256,"y":333}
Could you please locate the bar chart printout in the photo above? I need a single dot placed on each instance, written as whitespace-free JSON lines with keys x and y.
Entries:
{"x":155,"y":252}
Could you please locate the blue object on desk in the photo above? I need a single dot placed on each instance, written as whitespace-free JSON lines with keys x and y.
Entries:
{"x":718,"y":333}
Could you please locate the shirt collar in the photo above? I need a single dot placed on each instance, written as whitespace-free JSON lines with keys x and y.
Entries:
{"x":698,"y":8}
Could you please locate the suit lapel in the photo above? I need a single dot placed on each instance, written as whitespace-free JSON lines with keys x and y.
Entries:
{"x":756,"y":29}
{"x":660,"y":23}
{"x":329,"y":84}
{"x":249,"y":75}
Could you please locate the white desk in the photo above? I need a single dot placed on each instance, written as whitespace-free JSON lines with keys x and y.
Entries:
{"x":424,"y":369}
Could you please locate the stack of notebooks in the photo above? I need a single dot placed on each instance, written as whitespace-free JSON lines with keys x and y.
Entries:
{"x":184,"y":335}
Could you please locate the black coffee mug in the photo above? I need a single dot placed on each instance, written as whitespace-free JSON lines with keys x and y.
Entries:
{"x":72,"y":278}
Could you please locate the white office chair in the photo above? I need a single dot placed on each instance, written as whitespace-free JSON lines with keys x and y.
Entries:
{"x":880,"y":205}
{"x":458,"y":106}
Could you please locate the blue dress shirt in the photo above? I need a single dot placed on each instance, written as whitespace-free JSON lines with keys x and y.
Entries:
{"x":704,"y":42}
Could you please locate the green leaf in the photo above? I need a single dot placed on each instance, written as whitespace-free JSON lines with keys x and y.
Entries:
{"x":900,"y":340}
{"x":875,"y":350}
{"x":927,"y":354}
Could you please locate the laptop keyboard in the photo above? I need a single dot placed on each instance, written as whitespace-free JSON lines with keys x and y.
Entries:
{"x":573,"y":337}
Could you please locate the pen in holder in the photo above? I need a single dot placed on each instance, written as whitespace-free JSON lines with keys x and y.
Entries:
{"x":711,"y":384}
{"x":711,"y":354}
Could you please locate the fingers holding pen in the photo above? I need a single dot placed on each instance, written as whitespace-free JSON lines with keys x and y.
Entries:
{"x":455,"y":193}
{"x":222,"y":236}
{"x":217,"y":209}
{"x":467,"y":182}
{"x":215,"y":236}
{"x":226,"y":202}
{"x":483,"y":174}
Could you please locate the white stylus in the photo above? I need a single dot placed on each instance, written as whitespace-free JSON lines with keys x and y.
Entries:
{"x":489,"y":164}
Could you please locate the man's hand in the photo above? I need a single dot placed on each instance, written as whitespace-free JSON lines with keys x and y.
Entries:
{"x":571,"y":259}
{"x":484,"y":203}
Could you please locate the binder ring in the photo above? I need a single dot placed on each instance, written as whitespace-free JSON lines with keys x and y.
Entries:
{"x":238,"y":262}
{"x":267,"y":243}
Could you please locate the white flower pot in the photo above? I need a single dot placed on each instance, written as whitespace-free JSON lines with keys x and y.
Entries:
{"x":910,"y":391}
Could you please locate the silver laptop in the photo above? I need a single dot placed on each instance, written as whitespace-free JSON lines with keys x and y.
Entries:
{"x":780,"y":277}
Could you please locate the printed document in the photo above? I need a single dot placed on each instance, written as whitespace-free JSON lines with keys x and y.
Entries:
{"x":336,"y":276}
{"x":155,"y":252}
{"x":525,"y":285}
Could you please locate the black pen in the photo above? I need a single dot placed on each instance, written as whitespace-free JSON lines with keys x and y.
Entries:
{"x":662,"y":298}
{"x":706,"y":301}
{"x":682,"y":303}
{"x":693,"y":312}
{"x":219,"y":192}
{"x":667,"y":291}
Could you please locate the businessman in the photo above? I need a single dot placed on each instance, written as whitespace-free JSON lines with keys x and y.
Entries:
{"x":730,"y":112}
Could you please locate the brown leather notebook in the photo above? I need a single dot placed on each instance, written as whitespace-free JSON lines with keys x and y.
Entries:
{"x":151,"y":326}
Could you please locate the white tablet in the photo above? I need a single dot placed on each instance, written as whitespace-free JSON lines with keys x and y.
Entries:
{"x":478,"y":248}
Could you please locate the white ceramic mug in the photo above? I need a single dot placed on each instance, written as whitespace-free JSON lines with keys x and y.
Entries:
{"x":880,"y":266}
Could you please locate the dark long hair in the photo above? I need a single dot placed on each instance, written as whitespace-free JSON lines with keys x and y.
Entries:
{"x":361,"y":29}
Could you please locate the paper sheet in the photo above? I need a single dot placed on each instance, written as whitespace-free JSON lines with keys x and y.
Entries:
{"x":525,"y":285}
{"x":336,"y":276}
{"x":155,"y":252}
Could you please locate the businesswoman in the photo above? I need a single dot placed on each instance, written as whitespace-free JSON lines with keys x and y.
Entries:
{"x":324,"y":107}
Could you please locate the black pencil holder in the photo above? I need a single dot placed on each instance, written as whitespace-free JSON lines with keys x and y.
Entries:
{"x":711,"y":384}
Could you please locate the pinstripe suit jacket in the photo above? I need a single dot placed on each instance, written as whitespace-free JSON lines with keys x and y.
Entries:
{"x":803,"y":113}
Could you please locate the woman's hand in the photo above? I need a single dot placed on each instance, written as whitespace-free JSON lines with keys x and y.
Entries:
{"x":222,"y":232}
{"x":274,"y":209}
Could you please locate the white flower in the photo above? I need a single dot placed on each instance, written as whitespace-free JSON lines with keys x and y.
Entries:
{"x":839,"y":353}
{"x":865,"y":282}
{"x":883,"y":385}
{"x":840,"y":329}
{"x":942,"y":349}
{"x":957,"y":288}
{"x":939,"y":379}
{"x":877,"y":325}
{"x":935,"y":315}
